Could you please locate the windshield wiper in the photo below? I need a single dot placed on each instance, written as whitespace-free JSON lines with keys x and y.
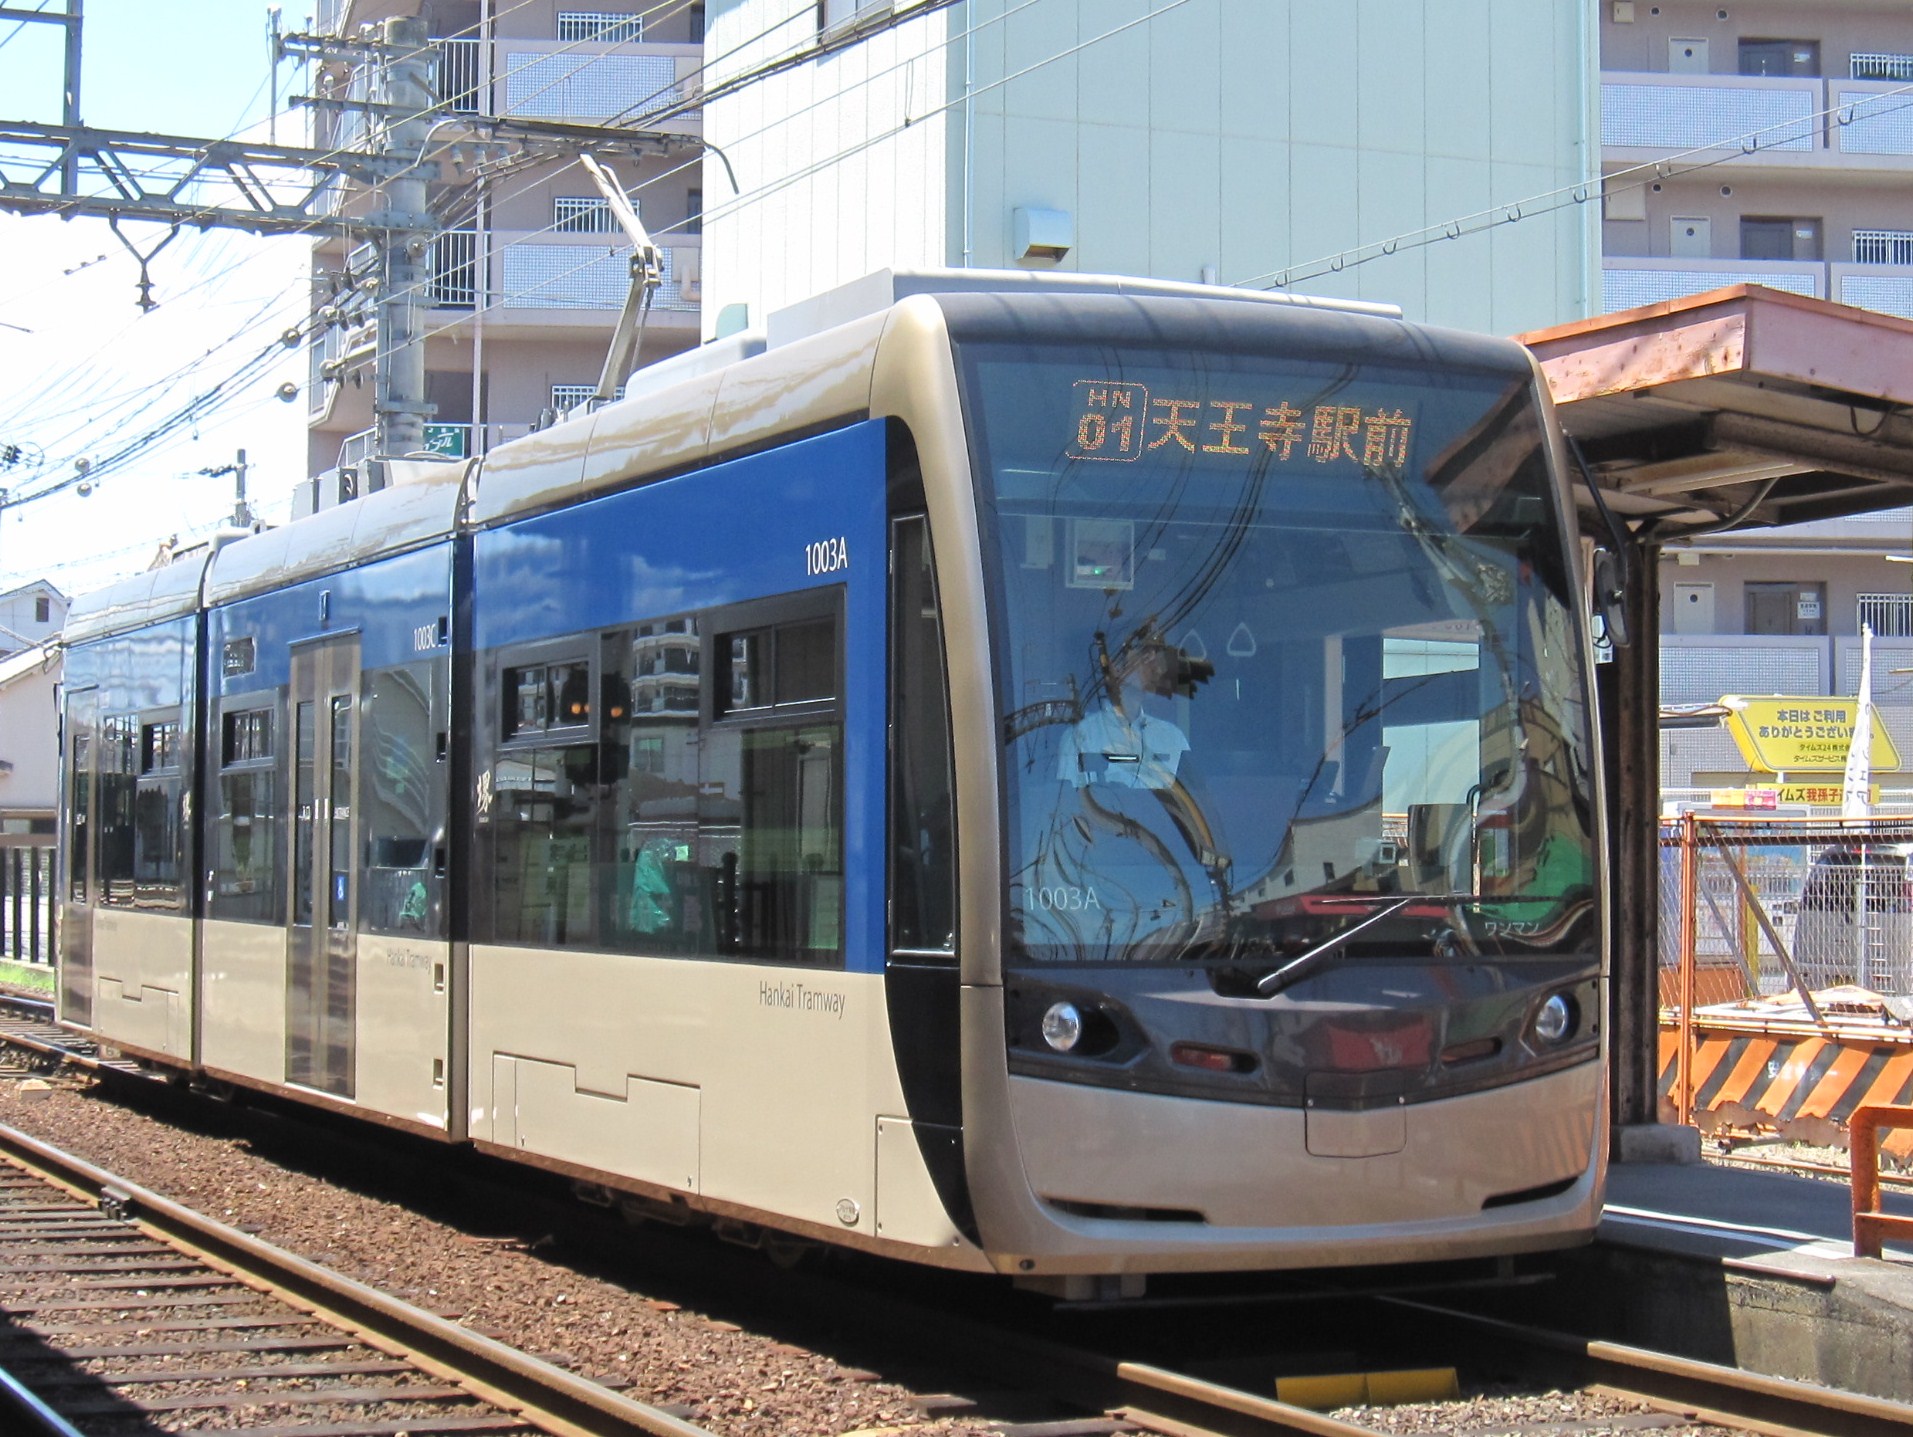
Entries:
{"x":1305,"y":965}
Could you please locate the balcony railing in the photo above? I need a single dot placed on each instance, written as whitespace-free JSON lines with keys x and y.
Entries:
{"x":545,"y":274}
{"x":1789,"y":121}
{"x":551,"y":80}
{"x":1699,"y":112}
{"x":1627,"y":283}
{"x":458,"y":75}
{"x":1887,"y":288}
{"x":454,"y":271}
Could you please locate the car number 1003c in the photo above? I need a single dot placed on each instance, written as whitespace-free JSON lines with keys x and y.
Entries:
{"x":826,"y":556}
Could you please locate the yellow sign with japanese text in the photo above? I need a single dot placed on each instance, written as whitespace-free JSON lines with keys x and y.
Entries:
{"x":1802,"y":735}
{"x":1778,"y":795}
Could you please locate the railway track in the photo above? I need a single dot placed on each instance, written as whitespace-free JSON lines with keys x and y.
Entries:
{"x":126,"y":1309}
{"x":1211,"y":1379}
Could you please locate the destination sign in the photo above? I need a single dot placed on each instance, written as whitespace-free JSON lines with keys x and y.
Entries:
{"x":1788,"y":735}
{"x":1121,"y":422}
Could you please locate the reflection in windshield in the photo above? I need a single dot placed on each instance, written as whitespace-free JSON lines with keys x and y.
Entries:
{"x":1280,"y":636}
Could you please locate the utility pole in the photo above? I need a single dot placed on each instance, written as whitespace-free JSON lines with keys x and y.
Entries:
{"x":406,"y":226}
{"x":241,"y":510}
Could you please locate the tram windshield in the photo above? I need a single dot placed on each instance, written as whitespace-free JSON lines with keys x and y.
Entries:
{"x":1288,"y":657}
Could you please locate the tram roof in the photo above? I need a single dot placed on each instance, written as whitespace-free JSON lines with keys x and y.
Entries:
{"x":1744,"y":404}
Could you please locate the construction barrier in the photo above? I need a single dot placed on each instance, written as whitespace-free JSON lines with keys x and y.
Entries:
{"x":1787,"y":976}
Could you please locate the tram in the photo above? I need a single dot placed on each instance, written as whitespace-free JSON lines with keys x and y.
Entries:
{"x":1075,"y":778}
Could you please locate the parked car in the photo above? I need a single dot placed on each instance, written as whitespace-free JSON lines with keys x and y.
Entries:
{"x":1855,"y":921}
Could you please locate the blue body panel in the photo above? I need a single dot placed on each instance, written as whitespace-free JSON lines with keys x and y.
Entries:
{"x":385,"y":602}
{"x":725,"y":535}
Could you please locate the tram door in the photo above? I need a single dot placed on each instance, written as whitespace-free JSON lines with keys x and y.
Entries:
{"x":322,"y":917}
{"x":81,"y":868}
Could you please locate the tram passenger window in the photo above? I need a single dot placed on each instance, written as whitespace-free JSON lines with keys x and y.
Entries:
{"x":625,"y":807}
{"x":543,"y":814}
{"x":401,"y":800}
{"x":158,"y":835}
{"x":658,"y":896}
{"x":770,"y":792}
{"x":119,"y":783}
{"x":245,"y":856}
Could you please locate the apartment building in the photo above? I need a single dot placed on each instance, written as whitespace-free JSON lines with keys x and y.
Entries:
{"x":1767,"y":142}
{"x":525,"y":281}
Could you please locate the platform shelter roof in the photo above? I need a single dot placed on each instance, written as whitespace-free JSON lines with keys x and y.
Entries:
{"x":1744,"y":406}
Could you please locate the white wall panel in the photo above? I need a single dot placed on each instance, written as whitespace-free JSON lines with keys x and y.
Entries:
{"x":1250,"y":136}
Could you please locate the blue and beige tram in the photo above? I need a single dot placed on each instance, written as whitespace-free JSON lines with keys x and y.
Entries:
{"x":1078,"y":779}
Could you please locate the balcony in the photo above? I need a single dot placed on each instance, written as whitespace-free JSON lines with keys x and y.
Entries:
{"x":1627,"y":283}
{"x":1885,"y":287}
{"x":1787,"y":124}
{"x":570,"y":80}
{"x":543,"y":271}
{"x":1649,"y":116}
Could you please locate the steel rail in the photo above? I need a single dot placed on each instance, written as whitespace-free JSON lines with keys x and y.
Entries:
{"x":43,"y":1038}
{"x":1726,"y":1396}
{"x":547,"y":1396}
{"x":23,"y":1413}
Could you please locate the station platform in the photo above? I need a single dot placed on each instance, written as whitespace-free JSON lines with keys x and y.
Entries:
{"x":1747,"y":1268}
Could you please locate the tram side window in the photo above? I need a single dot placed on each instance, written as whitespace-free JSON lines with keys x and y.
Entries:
{"x":659,"y":897}
{"x":158,"y":837}
{"x":246,"y":839}
{"x":119,"y":788}
{"x":922,"y":812}
{"x":79,"y":809}
{"x":543,"y":805}
{"x":670,"y":787}
{"x":770,"y":797}
{"x":401,"y":795}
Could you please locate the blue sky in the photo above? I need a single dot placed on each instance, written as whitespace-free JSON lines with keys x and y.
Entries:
{"x":82,"y":370}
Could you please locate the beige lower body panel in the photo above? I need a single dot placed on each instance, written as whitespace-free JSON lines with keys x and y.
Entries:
{"x":402,"y":1058}
{"x":743,"y":1088}
{"x":242,"y":1001}
{"x":1266,"y":1200}
{"x":142,"y":980}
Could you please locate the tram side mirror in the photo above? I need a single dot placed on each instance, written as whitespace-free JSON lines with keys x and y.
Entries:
{"x":1610,"y":597}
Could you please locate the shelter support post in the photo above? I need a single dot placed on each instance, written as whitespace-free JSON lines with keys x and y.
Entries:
{"x":1629,"y":692}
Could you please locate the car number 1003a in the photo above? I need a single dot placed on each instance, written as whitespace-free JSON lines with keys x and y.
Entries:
{"x":826,"y":556}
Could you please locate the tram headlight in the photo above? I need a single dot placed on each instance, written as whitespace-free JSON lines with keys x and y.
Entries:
{"x":1556,"y":1019}
{"x":1063,"y":1026}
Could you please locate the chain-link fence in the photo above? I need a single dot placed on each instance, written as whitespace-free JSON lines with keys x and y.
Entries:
{"x":1765,"y":906}
{"x":26,"y":904}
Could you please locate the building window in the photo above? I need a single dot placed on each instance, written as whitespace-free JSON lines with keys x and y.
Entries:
{"x":599,"y":27}
{"x":1779,"y":58}
{"x":1780,"y":237}
{"x":1883,"y":247}
{"x":1890,"y":615}
{"x":694,"y":212}
{"x":1881,"y":66}
{"x":566,"y":397}
{"x":584,"y":215}
{"x":454,"y":270}
{"x":42,"y":609}
{"x":837,"y":16}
